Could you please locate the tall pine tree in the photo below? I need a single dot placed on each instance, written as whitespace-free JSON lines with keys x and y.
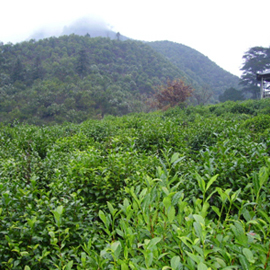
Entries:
{"x":256,"y":59}
{"x":18,"y":72}
{"x":82,"y":63}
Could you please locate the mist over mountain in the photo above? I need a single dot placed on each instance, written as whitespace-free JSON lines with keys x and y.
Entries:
{"x":91,"y":26}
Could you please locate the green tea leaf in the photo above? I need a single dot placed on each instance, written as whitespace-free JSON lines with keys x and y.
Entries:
{"x":244,"y":262}
{"x":83,"y":258}
{"x":171,"y":214}
{"x":205,"y":207}
{"x":124,"y":266}
{"x":102,"y":217}
{"x":198,"y":230}
{"x":185,"y":240}
{"x":116,"y":248}
{"x":263,"y":176}
{"x":174,"y":157}
{"x":199,"y":219}
{"x":176,"y":197}
{"x":202,"y":266}
{"x":223,"y":195}
{"x":216,"y":210}
{"x":239,"y":232}
{"x":58,"y":212}
{"x":264,"y":214}
{"x":149,"y":259}
{"x":211,"y":181}
{"x":166,"y":191}
{"x":249,"y":255}
{"x":175,"y":262}
{"x":178,"y":160}
{"x":195,"y":258}
{"x":235,"y":195}
{"x":69,"y":265}
{"x":153,"y":242}
{"x":112,"y":210}
{"x":167,"y":202}
{"x":201,"y":182}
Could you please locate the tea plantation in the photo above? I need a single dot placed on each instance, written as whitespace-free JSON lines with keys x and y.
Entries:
{"x":182,"y":189}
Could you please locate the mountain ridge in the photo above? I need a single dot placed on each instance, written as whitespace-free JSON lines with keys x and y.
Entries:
{"x":196,"y":65}
{"x":72,"y":78}
{"x":75,"y":77}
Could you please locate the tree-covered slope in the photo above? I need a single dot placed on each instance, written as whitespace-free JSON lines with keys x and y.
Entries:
{"x":72,"y":78}
{"x":197,"y":66}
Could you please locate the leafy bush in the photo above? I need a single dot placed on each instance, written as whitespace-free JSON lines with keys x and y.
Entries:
{"x":240,"y":108}
{"x":258,"y":123}
{"x":175,"y":190}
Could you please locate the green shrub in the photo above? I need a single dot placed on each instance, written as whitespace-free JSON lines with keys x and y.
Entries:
{"x":175,"y":190}
{"x":240,"y":108}
{"x":258,"y":123}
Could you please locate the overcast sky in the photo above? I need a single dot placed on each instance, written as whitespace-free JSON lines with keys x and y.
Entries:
{"x":221,"y":30}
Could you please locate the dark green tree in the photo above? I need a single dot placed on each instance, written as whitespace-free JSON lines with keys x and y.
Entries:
{"x":38,"y":71}
{"x":82,"y":63}
{"x":256,"y":59}
{"x":203,"y":95}
{"x":18,"y":71}
{"x":231,"y":94}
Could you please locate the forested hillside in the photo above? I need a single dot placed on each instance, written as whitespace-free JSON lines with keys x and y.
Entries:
{"x":72,"y":78}
{"x":197,"y":66}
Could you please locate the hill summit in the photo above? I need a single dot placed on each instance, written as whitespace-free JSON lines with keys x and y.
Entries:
{"x":75,"y":77}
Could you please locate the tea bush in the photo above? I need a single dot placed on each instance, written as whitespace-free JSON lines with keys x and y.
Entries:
{"x":182,"y":189}
{"x":258,"y":123}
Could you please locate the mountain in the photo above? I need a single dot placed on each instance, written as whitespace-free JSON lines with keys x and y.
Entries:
{"x":72,"y":78}
{"x":197,"y":66}
{"x":76,"y":77}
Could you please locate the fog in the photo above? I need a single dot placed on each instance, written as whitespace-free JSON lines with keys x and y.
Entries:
{"x":92,"y":25}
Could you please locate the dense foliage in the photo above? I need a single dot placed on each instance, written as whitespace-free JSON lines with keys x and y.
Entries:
{"x":173,"y":93}
{"x":73,"y":78}
{"x":231,"y":94}
{"x":256,"y":60}
{"x":183,"y":189}
{"x":197,"y":66}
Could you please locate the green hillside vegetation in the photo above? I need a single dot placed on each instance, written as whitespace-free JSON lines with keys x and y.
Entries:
{"x":183,"y":189}
{"x":200,"y":68}
{"x":74,"y":78}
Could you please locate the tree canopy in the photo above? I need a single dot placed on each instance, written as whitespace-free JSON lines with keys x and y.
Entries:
{"x":197,"y":66}
{"x":231,"y":94}
{"x":256,"y":59}
{"x":173,"y":93}
{"x":73,"y":78}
